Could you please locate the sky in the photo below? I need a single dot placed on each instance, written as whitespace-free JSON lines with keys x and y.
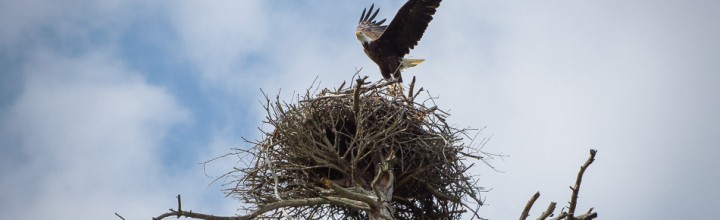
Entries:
{"x":113,"y":106}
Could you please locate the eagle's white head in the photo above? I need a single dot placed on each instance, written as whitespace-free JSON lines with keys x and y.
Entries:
{"x":362,"y":37}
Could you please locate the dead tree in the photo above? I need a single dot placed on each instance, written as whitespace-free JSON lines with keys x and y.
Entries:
{"x":570,"y":213}
{"x":355,"y":153}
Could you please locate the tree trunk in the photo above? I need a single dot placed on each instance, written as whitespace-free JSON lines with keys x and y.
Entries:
{"x":385,"y":188}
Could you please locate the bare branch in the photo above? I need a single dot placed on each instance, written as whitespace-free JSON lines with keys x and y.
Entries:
{"x":576,"y":188}
{"x":588,"y":215}
{"x":549,"y":211}
{"x":562,"y":215}
{"x":350,"y":195}
{"x":569,"y":215}
{"x":528,"y":206}
{"x":410,"y":91}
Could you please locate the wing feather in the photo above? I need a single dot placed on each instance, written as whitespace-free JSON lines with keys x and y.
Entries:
{"x":367,"y":16}
{"x":381,"y":21}
{"x":367,"y":24}
{"x":375,"y":14}
{"x":408,"y":26}
{"x":362,"y":16}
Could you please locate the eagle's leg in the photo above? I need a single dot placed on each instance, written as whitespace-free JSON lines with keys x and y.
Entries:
{"x":395,"y":88}
{"x":398,"y":88}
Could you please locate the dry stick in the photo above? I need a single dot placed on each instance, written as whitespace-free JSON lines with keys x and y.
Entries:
{"x":347,"y":91}
{"x":179,"y":212}
{"x":350,"y":195}
{"x":410,"y":91}
{"x":587,"y":216}
{"x":277,"y":194}
{"x":550,"y":209}
{"x":119,"y":216}
{"x":340,"y":87}
{"x":417,"y":93}
{"x":576,"y":188}
{"x":356,"y":96}
{"x":440,"y":195}
{"x":528,"y":206}
{"x":561,"y":216}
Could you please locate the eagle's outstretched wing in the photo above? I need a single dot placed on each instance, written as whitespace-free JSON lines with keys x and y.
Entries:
{"x":367,"y":24}
{"x":408,"y":26}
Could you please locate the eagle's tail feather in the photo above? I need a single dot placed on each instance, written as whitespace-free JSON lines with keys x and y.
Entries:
{"x":407,"y":63}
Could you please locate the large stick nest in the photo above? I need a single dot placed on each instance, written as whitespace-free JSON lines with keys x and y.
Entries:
{"x":343,"y":136}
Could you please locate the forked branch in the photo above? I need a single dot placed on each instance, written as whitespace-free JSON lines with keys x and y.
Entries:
{"x":570,"y":214}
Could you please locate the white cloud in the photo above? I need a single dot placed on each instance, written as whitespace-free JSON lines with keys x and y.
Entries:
{"x":219,"y":36}
{"x":241,"y":47}
{"x":87,"y":133}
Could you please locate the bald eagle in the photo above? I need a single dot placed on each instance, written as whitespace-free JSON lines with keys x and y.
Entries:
{"x":387,"y":45}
